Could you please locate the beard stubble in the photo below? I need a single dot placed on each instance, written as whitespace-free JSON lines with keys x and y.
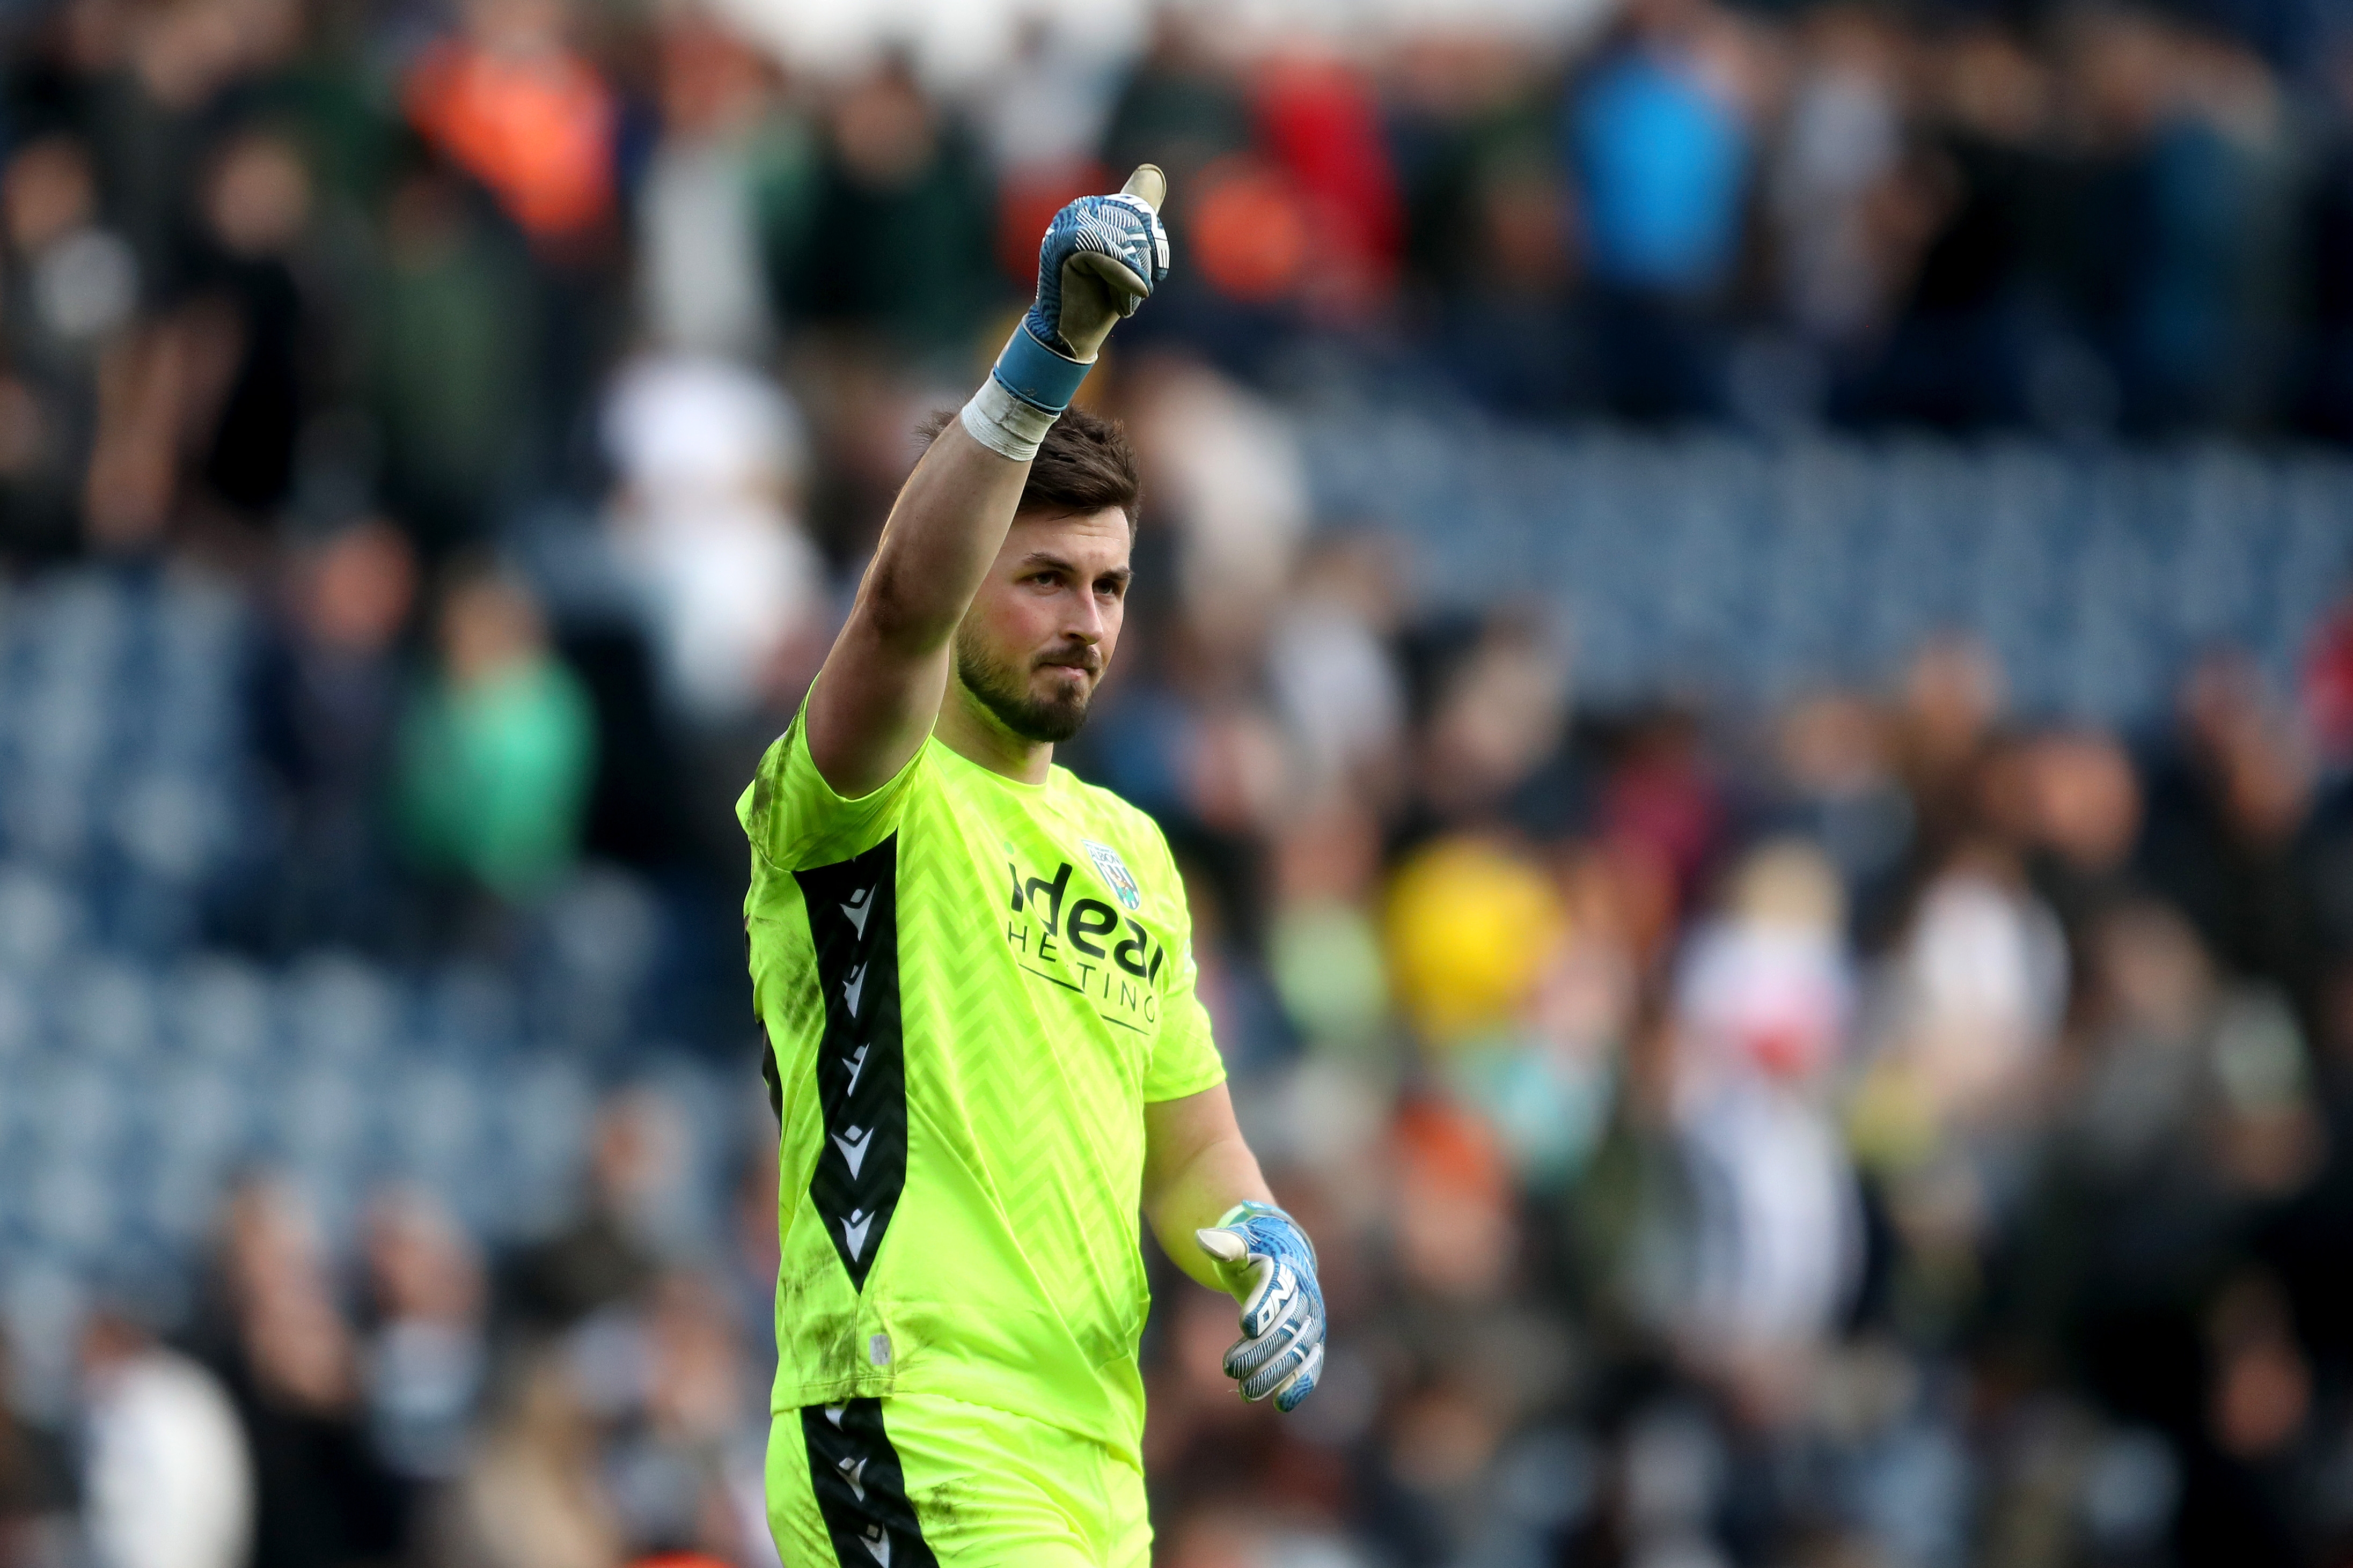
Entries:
{"x":1004,"y":690}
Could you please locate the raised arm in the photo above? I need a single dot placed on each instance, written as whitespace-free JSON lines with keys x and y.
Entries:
{"x":880,"y":693}
{"x":879,"y":690}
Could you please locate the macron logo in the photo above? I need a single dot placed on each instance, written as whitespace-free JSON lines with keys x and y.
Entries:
{"x":861,"y":905}
{"x":853,"y":1145}
{"x":853,"y":1231}
{"x":877,"y":1541}
{"x":854,"y":987}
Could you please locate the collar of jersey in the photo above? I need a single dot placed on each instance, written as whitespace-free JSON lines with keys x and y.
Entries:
{"x":1018,"y":785}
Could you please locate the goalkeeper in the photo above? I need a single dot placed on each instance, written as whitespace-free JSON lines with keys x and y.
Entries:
{"x":976,"y":976}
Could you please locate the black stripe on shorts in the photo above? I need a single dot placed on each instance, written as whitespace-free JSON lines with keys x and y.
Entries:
{"x":860,"y":1491}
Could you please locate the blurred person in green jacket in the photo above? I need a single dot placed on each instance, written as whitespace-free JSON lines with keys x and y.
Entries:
{"x":497,"y":754}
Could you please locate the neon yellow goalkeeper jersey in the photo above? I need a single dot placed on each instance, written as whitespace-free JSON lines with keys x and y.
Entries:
{"x":971,"y":986}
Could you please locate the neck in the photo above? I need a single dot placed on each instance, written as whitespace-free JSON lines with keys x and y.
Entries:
{"x":974,"y":734}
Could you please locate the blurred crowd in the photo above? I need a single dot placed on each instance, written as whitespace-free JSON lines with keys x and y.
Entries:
{"x":1886,"y":1130}
{"x":594,"y":1398}
{"x":271,"y":264}
{"x":1893,"y":1129}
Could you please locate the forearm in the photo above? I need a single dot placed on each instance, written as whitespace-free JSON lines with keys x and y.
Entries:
{"x":879,"y":690}
{"x":946,"y":526}
{"x":1198,"y":1194}
{"x":1196,"y":1169}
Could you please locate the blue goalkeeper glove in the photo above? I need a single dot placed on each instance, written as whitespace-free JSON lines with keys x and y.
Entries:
{"x":1102,"y":256}
{"x":1268,"y":1265}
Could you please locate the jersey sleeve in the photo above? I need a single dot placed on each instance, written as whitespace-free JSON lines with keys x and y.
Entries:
{"x":795,"y":819}
{"x":1184,"y":1059}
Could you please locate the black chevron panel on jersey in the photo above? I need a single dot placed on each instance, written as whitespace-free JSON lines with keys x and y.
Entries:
{"x":861,"y":1071}
{"x":861,"y":1491}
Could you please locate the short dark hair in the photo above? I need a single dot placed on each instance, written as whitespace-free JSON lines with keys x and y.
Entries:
{"x":1085,"y":464}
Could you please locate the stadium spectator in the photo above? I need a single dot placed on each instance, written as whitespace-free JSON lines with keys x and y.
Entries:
{"x":1334,"y":679}
{"x":1833,"y":766}
{"x":509,"y":101}
{"x":72,"y":286}
{"x":686,"y":1442}
{"x":2229,"y":839}
{"x":610,"y":1249}
{"x":1660,"y":137}
{"x":1042,"y":116}
{"x":1224,"y":467}
{"x":327,"y":690}
{"x":900,"y":179}
{"x":1762,"y":1003}
{"x":533,"y":1497}
{"x":38,"y":1491}
{"x":1318,"y":119}
{"x":1836,"y":192}
{"x":289,"y":1360}
{"x":166,"y":1478}
{"x":1968,"y":334}
{"x":1178,"y":107}
{"x":710,"y":458}
{"x":494,"y":755}
{"x":252,"y":295}
{"x":451,"y":340}
{"x":429,"y":1355}
{"x":724,"y":195}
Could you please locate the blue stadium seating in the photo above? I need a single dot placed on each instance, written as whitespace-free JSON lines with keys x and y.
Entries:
{"x":1750,"y":570}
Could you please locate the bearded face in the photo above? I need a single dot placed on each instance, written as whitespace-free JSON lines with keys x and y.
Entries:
{"x":1041,"y":630}
{"x":1042,"y":697}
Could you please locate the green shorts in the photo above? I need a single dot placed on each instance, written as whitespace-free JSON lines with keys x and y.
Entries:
{"x":921,"y":1480}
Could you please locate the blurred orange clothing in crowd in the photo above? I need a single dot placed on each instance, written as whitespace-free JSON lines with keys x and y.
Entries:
{"x":536,"y":128}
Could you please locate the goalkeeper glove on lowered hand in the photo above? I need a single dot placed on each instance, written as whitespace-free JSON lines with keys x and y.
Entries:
{"x":1268,"y":1264}
{"x":1102,"y":256}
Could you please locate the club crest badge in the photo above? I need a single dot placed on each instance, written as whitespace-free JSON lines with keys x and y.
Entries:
{"x":1115,"y":872}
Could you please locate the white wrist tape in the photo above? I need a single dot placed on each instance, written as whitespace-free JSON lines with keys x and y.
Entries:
{"x":1004,"y":422}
